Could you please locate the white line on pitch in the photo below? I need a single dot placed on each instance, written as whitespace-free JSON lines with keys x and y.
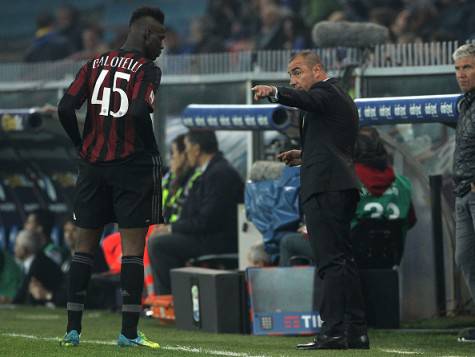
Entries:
{"x":401,"y":352}
{"x":195,"y":349}
{"x":171,"y":348}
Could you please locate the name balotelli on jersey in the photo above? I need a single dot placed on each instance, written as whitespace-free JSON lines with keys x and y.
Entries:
{"x":127,"y":63}
{"x":120,"y":88}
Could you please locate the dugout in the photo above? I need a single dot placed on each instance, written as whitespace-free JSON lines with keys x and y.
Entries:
{"x":418,"y":150}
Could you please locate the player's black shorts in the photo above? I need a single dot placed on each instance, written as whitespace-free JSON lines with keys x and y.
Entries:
{"x":128,"y":193}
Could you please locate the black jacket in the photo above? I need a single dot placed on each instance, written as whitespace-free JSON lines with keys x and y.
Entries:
{"x":464,"y":155}
{"x":47,"y":272}
{"x":210,"y":210}
{"x":328,"y":130}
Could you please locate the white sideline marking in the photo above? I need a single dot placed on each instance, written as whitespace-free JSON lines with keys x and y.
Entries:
{"x":37,"y":317}
{"x":57,"y":339}
{"x":196,"y":349}
{"x":401,"y":352}
{"x":114,"y":343}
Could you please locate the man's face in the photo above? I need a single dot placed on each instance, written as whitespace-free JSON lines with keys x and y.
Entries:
{"x":19,"y":251}
{"x":465,"y":73}
{"x":192,"y":152}
{"x":177,"y":159}
{"x":70,"y":234}
{"x":31,"y":224}
{"x":302,"y":74}
{"x":154,"y":38}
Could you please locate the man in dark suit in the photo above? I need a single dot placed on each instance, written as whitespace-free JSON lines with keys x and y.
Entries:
{"x":329,"y":193}
{"x":42,"y":277}
{"x":208,"y":219}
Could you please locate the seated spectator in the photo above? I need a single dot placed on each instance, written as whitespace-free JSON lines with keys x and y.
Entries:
{"x":296,"y":35}
{"x":48,"y":45}
{"x":173,"y":42}
{"x":257,"y":256}
{"x":208,"y":219}
{"x":295,"y":244}
{"x":201,"y":40}
{"x":41,"y":221}
{"x":92,"y":44}
{"x":43,"y":278}
{"x":271,"y":32}
{"x":384,"y":195}
{"x":178,"y":181}
{"x":10,"y":277}
{"x":70,"y":238}
{"x":68,"y":26}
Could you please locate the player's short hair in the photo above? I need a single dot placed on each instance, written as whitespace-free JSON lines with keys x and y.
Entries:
{"x":466,"y":50}
{"x":146,"y":11}
{"x":310,"y":56}
{"x":206,"y":139}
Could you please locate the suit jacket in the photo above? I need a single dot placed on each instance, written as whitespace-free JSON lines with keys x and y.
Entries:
{"x":47,"y":272}
{"x":209,"y":213}
{"x":328,"y":130}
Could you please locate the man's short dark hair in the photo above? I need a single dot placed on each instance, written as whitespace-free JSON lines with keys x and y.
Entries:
{"x":45,"y":219}
{"x":146,"y":11}
{"x":44,"y":20}
{"x":206,"y":139}
{"x":310,"y":56}
{"x":179,"y":141}
{"x":370,"y":150}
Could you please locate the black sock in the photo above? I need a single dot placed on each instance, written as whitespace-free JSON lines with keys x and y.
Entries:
{"x":131,"y":280}
{"x":79,"y":275}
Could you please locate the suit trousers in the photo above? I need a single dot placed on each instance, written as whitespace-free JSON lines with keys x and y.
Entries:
{"x":170,"y":251}
{"x":339,"y":298}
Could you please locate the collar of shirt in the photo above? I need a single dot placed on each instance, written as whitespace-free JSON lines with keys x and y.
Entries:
{"x":203,"y":167}
{"x":27,"y":264}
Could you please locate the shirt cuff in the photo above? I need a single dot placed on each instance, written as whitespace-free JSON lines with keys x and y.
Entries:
{"x":274,"y":98}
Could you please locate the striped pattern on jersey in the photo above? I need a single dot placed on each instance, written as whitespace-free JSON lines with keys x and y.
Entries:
{"x":120,"y":88}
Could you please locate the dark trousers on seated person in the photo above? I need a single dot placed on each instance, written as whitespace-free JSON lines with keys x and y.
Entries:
{"x":340,"y":301}
{"x":168,"y":252}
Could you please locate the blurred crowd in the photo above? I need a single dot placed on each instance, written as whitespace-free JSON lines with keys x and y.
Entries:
{"x":234,"y":25}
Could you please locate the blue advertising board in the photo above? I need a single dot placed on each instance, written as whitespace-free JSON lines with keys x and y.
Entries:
{"x":416,"y":109}
{"x":372,"y":111}
{"x":240,"y":117}
{"x":281,"y":301}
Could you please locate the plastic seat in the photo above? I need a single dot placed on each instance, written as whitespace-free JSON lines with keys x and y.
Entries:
{"x":228,"y":261}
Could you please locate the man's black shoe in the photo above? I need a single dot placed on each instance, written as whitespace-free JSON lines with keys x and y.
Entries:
{"x":324,"y":342}
{"x":358,"y":342}
{"x":467,"y":335}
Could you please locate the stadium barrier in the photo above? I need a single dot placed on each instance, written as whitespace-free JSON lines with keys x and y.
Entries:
{"x":372,"y":111}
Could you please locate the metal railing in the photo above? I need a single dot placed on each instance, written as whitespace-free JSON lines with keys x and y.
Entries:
{"x":382,"y":56}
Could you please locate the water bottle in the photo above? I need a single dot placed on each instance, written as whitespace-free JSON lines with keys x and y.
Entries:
{"x":195,"y":301}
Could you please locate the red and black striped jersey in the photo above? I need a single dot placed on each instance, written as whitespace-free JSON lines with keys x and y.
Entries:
{"x":119,"y":87}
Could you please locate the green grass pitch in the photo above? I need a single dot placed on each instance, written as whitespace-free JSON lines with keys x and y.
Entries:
{"x":30,"y":331}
